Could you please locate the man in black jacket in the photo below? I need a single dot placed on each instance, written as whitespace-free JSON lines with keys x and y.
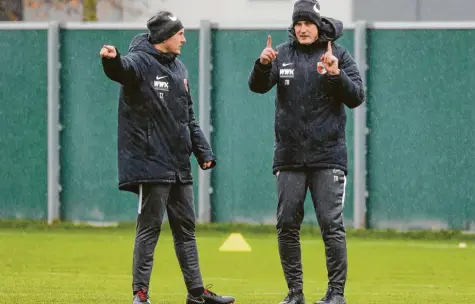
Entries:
{"x":157,"y":132}
{"x":315,"y":78}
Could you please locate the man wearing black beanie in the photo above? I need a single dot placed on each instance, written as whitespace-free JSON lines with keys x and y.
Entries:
{"x":315,"y":78}
{"x":157,"y":133}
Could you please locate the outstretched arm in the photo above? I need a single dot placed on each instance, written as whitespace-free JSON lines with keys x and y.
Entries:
{"x":122,"y":69}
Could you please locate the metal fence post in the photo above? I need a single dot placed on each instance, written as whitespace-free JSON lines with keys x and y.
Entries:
{"x":361,"y":131}
{"x":53,"y":123}
{"x":204,"y":177}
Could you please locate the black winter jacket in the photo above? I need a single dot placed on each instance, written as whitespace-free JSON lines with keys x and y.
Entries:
{"x":157,"y":129}
{"x":310,"y":119}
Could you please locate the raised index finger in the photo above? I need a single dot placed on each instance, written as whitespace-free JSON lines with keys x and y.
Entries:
{"x":269,"y":41}
{"x":329,"y":48}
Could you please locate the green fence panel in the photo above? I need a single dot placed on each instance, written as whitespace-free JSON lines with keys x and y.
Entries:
{"x":89,"y":116}
{"x":420,"y":115}
{"x":243,"y":184}
{"x":23,"y":123}
{"x":422,"y":122}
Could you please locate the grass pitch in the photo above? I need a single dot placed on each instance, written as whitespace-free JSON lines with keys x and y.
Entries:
{"x":94,"y":266}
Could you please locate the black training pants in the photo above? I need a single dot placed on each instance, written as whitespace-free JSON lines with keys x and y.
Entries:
{"x":327,"y":188}
{"x":177,"y":200}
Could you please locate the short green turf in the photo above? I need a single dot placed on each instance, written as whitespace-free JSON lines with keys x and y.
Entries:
{"x":94,"y":266}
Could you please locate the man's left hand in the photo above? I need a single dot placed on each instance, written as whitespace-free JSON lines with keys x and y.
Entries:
{"x":330,"y":62}
{"x":206,"y":165}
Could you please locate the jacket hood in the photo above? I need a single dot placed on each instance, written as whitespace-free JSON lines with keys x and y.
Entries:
{"x":329,"y":30}
{"x":141,"y":43}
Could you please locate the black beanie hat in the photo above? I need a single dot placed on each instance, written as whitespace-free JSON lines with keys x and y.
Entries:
{"x":162,"y":26}
{"x":308,"y":10}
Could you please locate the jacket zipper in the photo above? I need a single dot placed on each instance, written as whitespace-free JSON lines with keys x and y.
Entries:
{"x":149,"y":137}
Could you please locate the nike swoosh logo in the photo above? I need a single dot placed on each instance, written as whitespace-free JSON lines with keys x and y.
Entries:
{"x":286,"y":64}
{"x":158,"y":78}
{"x":172,"y":18}
{"x":316,"y":9}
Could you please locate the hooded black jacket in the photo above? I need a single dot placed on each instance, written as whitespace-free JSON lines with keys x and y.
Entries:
{"x":310,"y":117}
{"x":157,"y":129}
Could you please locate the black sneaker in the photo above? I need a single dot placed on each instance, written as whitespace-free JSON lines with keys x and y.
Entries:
{"x":332,"y":296}
{"x":141,"y":297}
{"x":212,"y":298}
{"x":294,"y":297}
{"x":194,"y":300}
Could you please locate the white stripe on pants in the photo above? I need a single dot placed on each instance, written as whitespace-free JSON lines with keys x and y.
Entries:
{"x":140,"y":198}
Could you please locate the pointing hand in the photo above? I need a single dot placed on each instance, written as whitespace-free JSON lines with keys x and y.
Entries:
{"x":268,"y":54}
{"x":329,"y":61}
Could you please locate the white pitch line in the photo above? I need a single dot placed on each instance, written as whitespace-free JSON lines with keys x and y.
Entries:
{"x":224,"y":279}
{"x":353,"y":285}
{"x":116,"y":276}
{"x":398,"y":243}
